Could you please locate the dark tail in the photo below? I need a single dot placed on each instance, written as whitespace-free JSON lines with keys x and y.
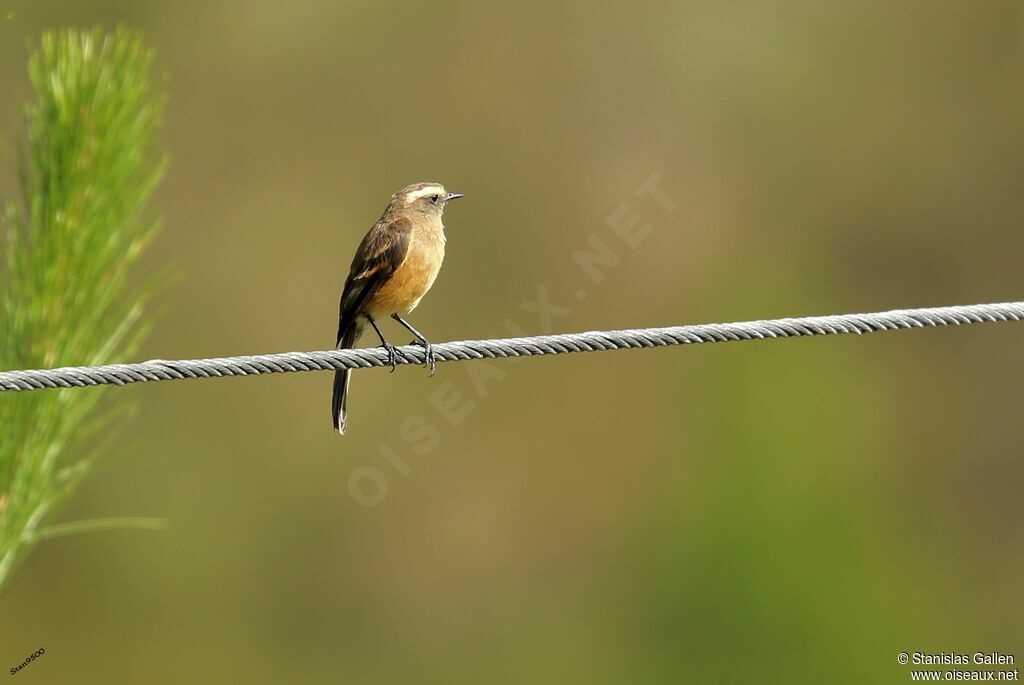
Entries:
{"x":339,"y":403}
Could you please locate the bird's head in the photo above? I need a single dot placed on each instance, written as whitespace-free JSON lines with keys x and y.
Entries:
{"x":423,"y":198}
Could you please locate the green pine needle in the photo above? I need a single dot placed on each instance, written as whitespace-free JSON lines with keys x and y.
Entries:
{"x":95,"y":525}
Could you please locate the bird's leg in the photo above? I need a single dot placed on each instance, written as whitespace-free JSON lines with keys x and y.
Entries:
{"x":420,"y":340}
{"x":392,"y":360}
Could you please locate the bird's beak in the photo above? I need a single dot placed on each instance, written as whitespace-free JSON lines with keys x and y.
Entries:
{"x":452,"y":196}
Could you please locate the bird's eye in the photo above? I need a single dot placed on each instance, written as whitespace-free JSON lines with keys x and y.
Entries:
{"x":433,"y":199}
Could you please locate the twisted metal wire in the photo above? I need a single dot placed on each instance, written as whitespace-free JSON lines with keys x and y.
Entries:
{"x":289,"y":362}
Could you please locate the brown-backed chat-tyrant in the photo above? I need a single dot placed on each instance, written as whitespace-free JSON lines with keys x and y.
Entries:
{"x":392,"y":270}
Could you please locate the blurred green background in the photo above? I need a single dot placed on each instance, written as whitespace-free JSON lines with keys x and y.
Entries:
{"x":793,"y":511}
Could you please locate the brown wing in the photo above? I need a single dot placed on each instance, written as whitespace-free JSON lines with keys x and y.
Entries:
{"x":382,"y":251}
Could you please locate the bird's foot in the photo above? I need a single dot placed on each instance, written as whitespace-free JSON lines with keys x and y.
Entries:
{"x":392,"y":356}
{"x":430,"y":358}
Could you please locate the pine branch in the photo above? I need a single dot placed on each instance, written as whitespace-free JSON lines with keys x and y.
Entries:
{"x":65,"y":295}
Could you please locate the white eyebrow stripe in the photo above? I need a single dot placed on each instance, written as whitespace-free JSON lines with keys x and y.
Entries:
{"x":423,"y":192}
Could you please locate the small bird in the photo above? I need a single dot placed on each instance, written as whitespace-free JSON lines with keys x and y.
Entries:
{"x":392,"y":270}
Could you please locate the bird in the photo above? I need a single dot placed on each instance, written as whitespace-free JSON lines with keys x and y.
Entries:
{"x":393,"y":268}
